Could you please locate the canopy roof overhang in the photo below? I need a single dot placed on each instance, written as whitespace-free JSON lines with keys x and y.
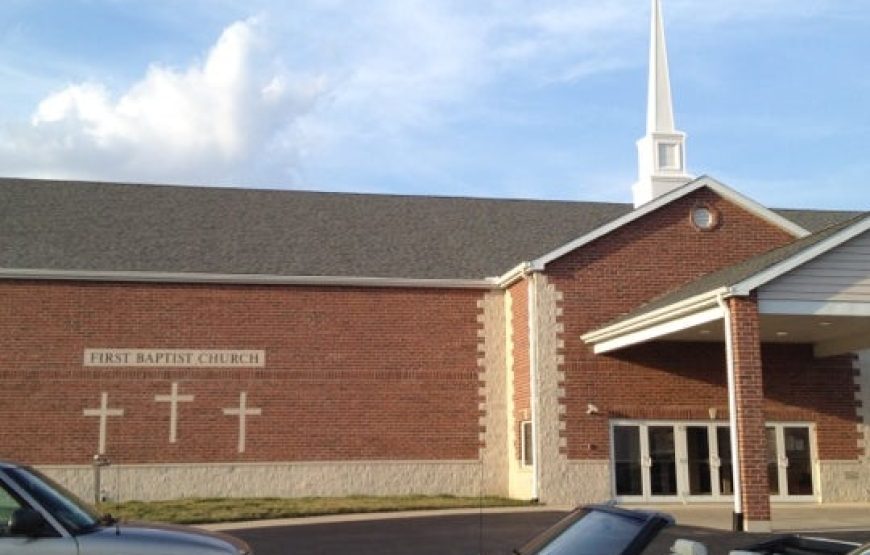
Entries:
{"x":797,"y":302}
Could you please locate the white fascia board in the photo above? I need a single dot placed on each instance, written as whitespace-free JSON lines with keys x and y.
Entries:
{"x":703,"y":181}
{"x":244,"y":279}
{"x":656,"y":317}
{"x":755,"y":208}
{"x":660,"y":330}
{"x":766,"y":276}
{"x":511,"y":276}
{"x":814,"y":308}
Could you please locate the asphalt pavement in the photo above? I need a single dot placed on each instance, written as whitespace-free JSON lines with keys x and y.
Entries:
{"x":439,"y":535}
{"x":467,"y":534}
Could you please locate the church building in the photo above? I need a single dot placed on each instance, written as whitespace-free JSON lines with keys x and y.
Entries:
{"x":692,"y":346}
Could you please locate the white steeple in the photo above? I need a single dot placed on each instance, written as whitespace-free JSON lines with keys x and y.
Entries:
{"x":662,"y":152}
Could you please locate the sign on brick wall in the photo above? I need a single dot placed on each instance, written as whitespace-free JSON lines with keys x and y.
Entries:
{"x":176,"y":358}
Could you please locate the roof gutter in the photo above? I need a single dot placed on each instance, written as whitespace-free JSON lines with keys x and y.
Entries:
{"x":245,"y":279}
{"x":516,"y":273}
{"x":533,"y":385}
{"x":736,"y":451}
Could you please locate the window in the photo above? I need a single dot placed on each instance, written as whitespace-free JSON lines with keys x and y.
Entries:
{"x":8,"y":505}
{"x":704,"y":217}
{"x":527,"y":447}
{"x":669,"y":156}
{"x":72,"y":513}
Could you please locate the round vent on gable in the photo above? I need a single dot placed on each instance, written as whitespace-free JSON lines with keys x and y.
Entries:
{"x":704,"y":217}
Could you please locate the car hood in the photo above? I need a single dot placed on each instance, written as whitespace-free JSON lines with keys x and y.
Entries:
{"x":151,"y":539}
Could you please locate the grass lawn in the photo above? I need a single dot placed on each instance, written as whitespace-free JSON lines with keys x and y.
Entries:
{"x":197,"y":511}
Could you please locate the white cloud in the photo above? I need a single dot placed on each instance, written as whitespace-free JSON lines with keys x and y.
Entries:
{"x":198,"y":124}
{"x":353,"y":91}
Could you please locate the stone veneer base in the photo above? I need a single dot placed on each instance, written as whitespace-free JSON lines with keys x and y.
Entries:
{"x":309,"y":479}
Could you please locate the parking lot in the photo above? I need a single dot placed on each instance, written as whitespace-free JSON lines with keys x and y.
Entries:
{"x":498,"y":533}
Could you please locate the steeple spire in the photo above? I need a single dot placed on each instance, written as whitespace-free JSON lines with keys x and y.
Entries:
{"x":662,"y":152}
{"x":660,"y":108}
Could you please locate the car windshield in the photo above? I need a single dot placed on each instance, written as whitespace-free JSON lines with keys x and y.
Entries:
{"x":595,"y":534}
{"x":75,"y":515}
{"x":587,"y":532}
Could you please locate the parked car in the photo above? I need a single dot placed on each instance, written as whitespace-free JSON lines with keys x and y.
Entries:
{"x":794,"y":543}
{"x":598,"y":530}
{"x":610,"y":530}
{"x":38,"y":516}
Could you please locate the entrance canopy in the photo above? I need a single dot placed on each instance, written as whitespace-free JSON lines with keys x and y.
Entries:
{"x":815,"y":290}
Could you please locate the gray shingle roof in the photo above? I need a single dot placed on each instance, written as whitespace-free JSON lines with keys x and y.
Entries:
{"x":90,"y":226}
{"x":816,"y":220}
{"x":112,"y":227}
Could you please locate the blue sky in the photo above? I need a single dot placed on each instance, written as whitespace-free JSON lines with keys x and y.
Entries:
{"x":497,"y":98}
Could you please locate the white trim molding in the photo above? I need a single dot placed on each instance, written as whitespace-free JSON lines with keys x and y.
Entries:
{"x":703,"y":181}
{"x":686,"y":307}
{"x":245,"y":279}
{"x":513,"y":275}
{"x":766,"y":276}
{"x":660,"y":330}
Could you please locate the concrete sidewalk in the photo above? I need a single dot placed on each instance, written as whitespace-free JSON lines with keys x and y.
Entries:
{"x":786,"y":517}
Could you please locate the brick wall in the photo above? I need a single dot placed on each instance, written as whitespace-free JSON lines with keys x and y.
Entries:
{"x":520,"y":344}
{"x":749,"y":392}
{"x":350,"y":374}
{"x":654,"y":255}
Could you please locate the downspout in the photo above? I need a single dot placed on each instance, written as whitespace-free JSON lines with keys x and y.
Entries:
{"x":533,"y":378}
{"x":737,"y":518}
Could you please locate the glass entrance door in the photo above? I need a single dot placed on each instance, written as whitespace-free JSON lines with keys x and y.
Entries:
{"x":662,"y":461}
{"x":789,"y":461}
{"x":707,"y":461}
{"x":627,"y":461}
{"x":645,"y":461}
{"x":659,"y":461}
{"x":698,"y":460}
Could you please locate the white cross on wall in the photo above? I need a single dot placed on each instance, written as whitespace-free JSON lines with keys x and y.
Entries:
{"x":173,"y":399}
{"x":104,"y":412}
{"x":242,"y":412}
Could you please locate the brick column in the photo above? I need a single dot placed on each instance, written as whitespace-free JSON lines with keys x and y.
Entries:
{"x":746,"y":352}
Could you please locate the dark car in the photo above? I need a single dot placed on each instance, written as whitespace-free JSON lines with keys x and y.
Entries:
{"x":793,"y":543}
{"x":598,"y":530}
{"x":610,"y":530}
{"x":38,"y":516}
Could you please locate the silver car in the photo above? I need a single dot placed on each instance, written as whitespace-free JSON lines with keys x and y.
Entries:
{"x":39,"y":516}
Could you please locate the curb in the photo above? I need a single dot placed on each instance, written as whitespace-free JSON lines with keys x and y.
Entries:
{"x":363,"y":517}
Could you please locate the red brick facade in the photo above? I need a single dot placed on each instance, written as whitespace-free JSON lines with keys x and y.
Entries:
{"x":403,"y":374}
{"x":748,"y":391}
{"x":350,"y":374}
{"x":662,"y":380}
